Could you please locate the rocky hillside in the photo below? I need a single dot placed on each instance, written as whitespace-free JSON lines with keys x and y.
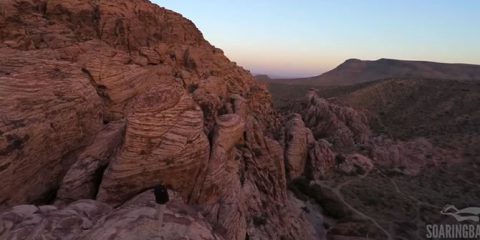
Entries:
{"x":404,"y":148}
{"x":355,"y":71}
{"x":374,"y":185}
{"x":445,"y":111}
{"x":442,"y":110}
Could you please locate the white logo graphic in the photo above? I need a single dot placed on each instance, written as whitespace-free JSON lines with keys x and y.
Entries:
{"x":465,"y":214}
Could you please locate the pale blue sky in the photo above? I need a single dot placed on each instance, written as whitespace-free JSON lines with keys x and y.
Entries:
{"x":304,"y":38}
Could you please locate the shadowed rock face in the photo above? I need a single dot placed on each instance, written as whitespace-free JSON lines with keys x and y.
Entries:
{"x":81,"y":180}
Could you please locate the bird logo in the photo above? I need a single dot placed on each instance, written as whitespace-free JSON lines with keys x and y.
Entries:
{"x":465,"y":214}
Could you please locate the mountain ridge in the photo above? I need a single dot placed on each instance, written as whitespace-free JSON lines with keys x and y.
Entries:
{"x":353,"y":71}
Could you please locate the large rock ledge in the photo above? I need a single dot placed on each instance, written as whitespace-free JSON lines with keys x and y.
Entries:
{"x":89,"y":219}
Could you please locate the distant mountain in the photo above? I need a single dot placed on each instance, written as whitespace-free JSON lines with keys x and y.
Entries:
{"x":354,"y":71}
{"x":263,"y":78}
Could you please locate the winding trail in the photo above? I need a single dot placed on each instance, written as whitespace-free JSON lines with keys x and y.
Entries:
{"x":411,"y":198}
{"x":337,"y":191}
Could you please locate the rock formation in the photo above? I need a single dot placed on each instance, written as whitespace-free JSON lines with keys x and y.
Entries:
{"x":342,"y":126}
{"x":102,"y":100}
{"x":164,"y":144}
{"x":297,"y":143}
{"x":349,"y":132}
{"x":321,"y":160}
{"x":221,"y":193}
{"x":354,"y":164}
{"x":48,"y":112}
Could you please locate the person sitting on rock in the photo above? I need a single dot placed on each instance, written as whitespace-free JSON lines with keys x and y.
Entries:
{"x":161,"y":198}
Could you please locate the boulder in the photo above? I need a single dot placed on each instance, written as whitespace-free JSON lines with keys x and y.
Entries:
{"x":354,"y":164}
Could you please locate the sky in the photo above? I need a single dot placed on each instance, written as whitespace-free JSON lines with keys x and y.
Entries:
{"x":286,"y":38}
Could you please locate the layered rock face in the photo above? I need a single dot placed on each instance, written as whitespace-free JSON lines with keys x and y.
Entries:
{"x":164,"y":144}
{"x":222,"y":193}
{"x":102,"y":100}
{"x":68,"y":66}
{"x":298,"y":141}
{"x":49,"y":111}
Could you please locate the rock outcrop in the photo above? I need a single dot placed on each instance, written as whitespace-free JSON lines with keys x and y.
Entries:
{"x":298,"y":140}
{"x":164,"y":144}
{"x":220,"y":191}
{"x":359,"y":151}
{"x":343,"y":126}
{"x":321,"y":161}
{"x":354,"y":164}
{"x":48,"y":112}
{"x":264,"y":186}
{"x":81,"y":180}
